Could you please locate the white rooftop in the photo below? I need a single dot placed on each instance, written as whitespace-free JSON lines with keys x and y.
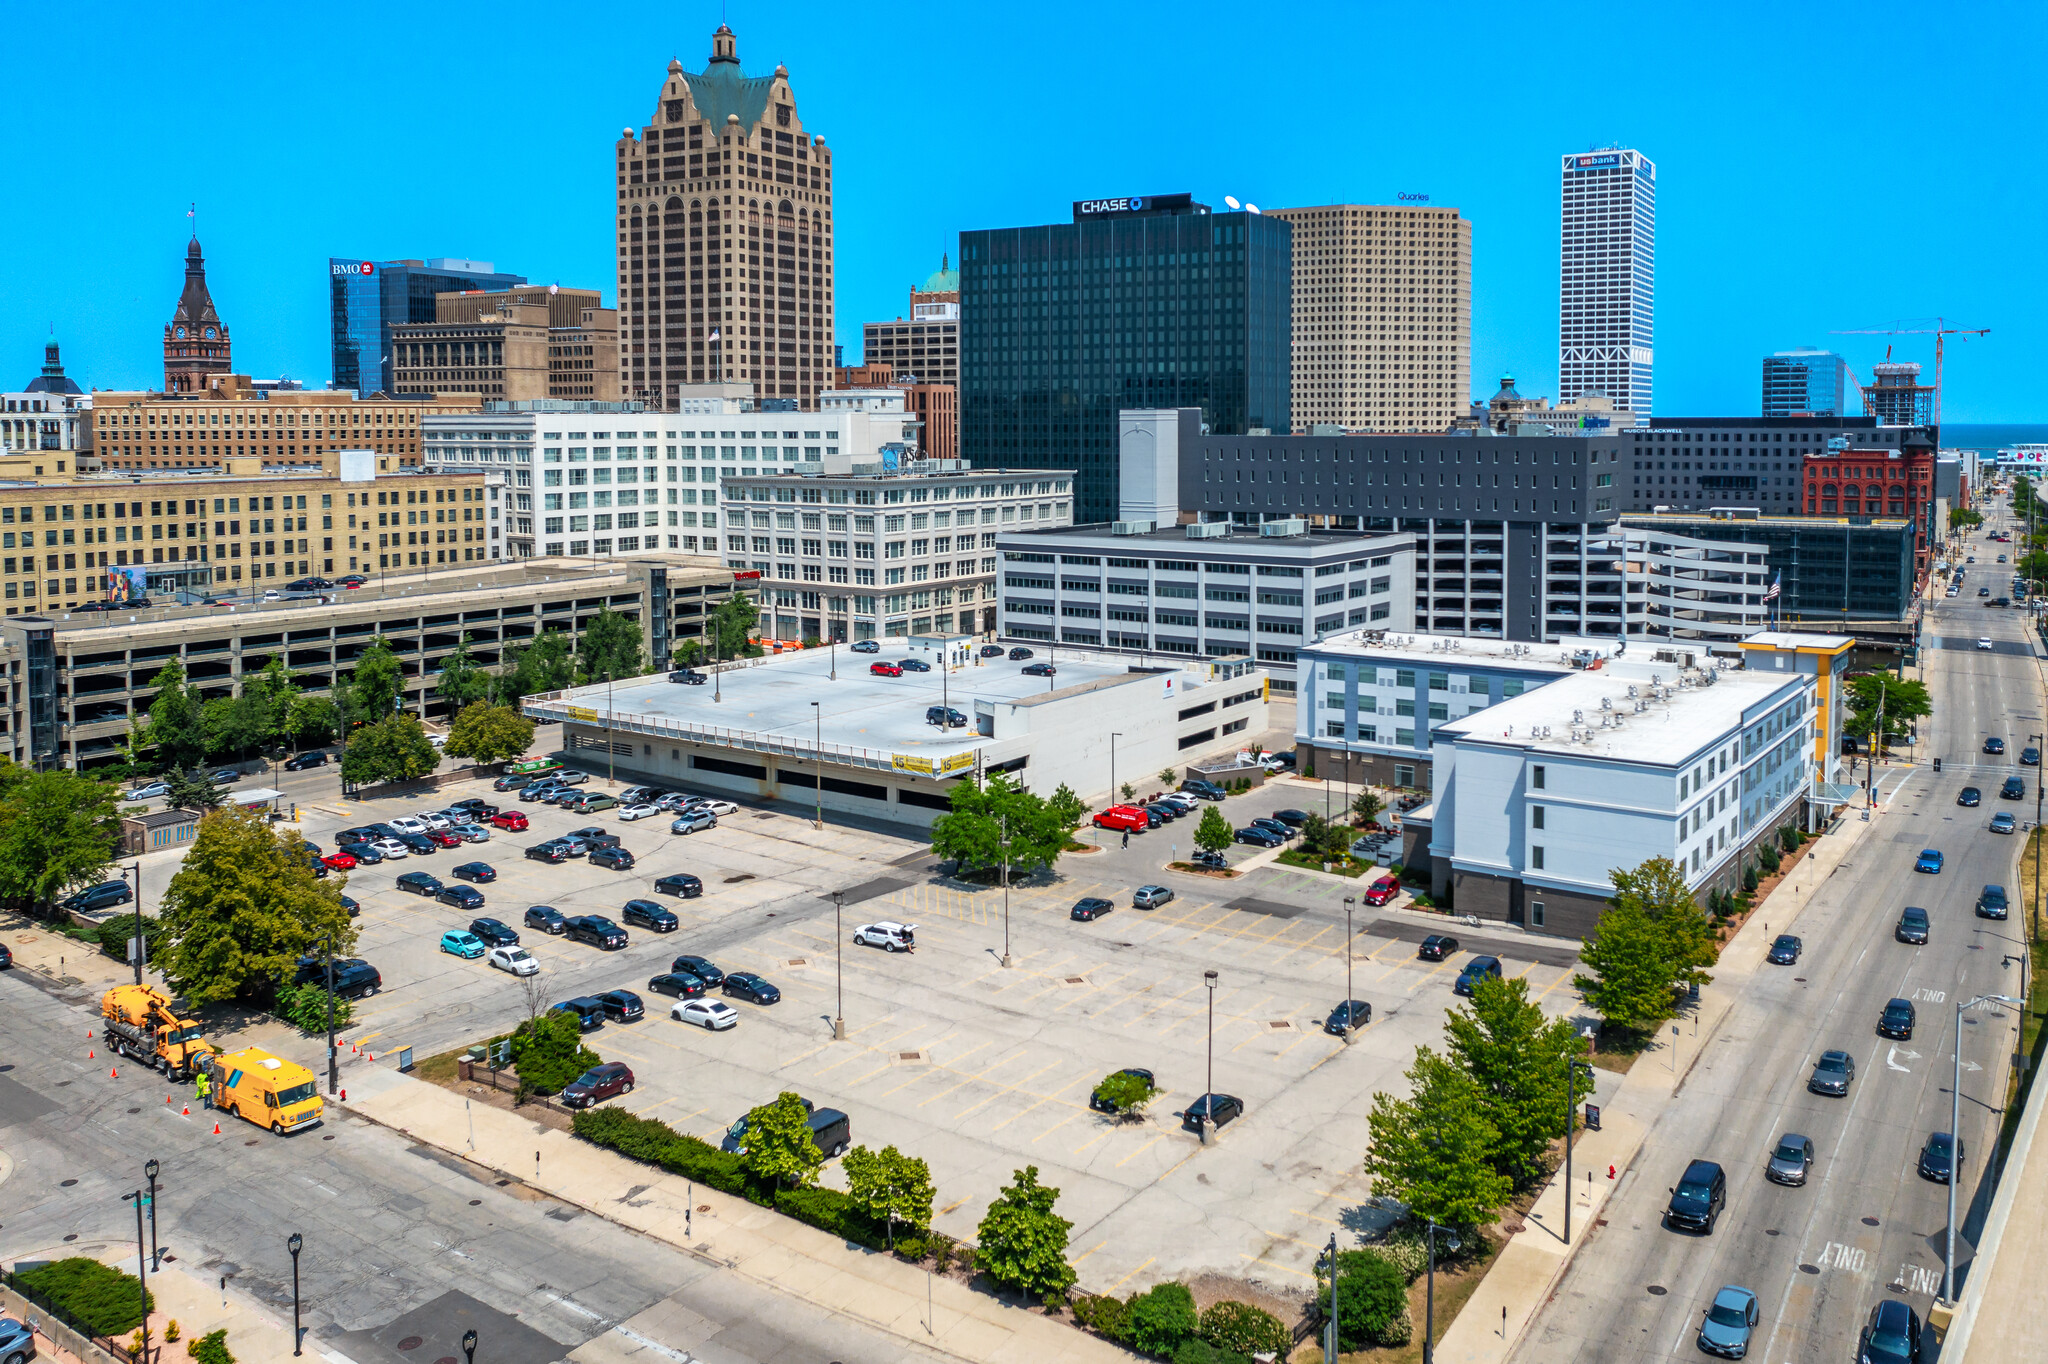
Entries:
{"x":1422,"y":648}
{"x":1792,"y":639}
{"x":1675,"y":723}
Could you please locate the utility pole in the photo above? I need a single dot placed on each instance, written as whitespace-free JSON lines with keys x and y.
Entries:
{"x":1955,"y":1140}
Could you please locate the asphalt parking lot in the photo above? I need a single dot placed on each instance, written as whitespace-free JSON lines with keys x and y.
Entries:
{"x":978,"y":1068}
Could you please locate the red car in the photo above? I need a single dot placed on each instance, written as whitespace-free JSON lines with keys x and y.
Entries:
{"x":1127,"y":817}
{"x":886,"y":669}
{"x":441,"y":838}
{"x":1382,"y":890}
{"x":339,"y":861}
{"x":510,"y":820}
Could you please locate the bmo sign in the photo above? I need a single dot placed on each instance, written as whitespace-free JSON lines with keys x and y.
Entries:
{"x":340,"y":267}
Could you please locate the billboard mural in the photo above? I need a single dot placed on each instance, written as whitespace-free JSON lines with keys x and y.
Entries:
{"x":127,"y":584}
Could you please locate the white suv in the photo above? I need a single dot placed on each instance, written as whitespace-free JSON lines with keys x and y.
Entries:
{"x":890,"y":937}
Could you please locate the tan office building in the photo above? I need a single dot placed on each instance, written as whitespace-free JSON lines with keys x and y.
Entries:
{"x":725,"y":239}
{"x":512,"y":345}
{"x":1382,"y":316}
{"x":233,"y":420}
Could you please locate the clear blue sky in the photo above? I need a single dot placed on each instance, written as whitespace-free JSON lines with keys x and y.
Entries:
{"x":1820,"y":166}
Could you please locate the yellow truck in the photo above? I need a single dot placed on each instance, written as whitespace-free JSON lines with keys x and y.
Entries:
{"x":141,"y":1022}
{"x":267,"y":1090}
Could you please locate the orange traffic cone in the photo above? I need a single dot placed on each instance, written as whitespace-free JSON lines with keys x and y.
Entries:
{"x":216,"y":1129}
{"x":113,"y":1072}
{"x":186,"y":1111}
{"x":91,"y":1055}
{"x":167,"y":1101}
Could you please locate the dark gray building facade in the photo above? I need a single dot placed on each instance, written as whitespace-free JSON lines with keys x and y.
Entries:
{"x":1829,"y":569}
{"x":1691,"y":464}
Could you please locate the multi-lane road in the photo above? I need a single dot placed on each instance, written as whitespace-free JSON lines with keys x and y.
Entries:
{"x":1866,"y":1225}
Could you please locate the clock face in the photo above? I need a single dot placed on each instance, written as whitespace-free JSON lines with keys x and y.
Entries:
{"x":209,"y":333}
{"x":181,"y":333}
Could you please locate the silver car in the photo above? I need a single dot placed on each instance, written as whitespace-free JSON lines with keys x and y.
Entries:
{"x":434,"y":819}
{"x":389,"y":847}
{"x":1151,"y":897}
{"x":693,"y":821}
{"x":514,"y":959}
{"x":471,"y":833}
{"x":1791,"y":1160}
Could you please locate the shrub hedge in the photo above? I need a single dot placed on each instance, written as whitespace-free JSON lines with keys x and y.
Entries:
{"x":1238,"y":1328}
{"x":95,"y":1297}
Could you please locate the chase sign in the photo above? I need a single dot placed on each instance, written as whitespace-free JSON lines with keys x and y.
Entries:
{"x":1107,"y":208}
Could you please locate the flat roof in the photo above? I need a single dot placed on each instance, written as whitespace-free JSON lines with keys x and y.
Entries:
{"x":1246,"y":538}
{"x":1452,"y":649}
{"x":1792,"y":639}
{"x":773,"y":699}
{"x":1667,"y":731}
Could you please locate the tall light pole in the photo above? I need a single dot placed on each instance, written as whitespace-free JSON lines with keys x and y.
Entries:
{"x":1571,"y":1107}
{"x":1955,"y":1140}
{"x":1451,"y":1243}
{"x":1330,"y":1345}
{"x":1004,"y":823}
{"x":610,"y":760}
{"x":141,"y":1275}
{"x":294,"y":1243}
{"x":333,"y":1053}
{"x":469,"y":1346}
{"x":839,"y":965}
{"x":136,"y":872}
{"x":818,"y":765}
{"x":1209,"y":1096}
{"x":2034,"y":910}
{"x":1112,"y":765}
{"x":149,"y":1170}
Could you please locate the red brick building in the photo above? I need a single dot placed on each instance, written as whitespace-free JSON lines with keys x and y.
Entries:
{"x":1876,"y":483}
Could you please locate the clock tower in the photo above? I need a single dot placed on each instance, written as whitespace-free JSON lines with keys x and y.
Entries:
{"x":195,"y":339}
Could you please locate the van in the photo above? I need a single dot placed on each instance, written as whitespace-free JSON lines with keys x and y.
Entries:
{"x":266,"y":1090}
{"x":832,"y":1131}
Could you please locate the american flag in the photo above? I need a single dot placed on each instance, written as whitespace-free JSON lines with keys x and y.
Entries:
{"x":1771,"y":593}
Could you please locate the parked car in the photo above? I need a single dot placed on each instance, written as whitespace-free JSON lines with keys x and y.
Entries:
{"x":648,"y":914}
{"x":1348,"y":1016}
{"x":419,"y":845}
{"x":600,"y":1082}
{"x":1891,"y":1335}
{"x":1125,"y":817}
{"x":1897,"y":1019}
{"x":305,"y":761}
{"x":1912,"y":926}
{"x":1260,"y":837}
{"x":494,"y":933}
{"x":1940,"y":1155}
{"x":681,"y":984}
{"x":1790,"y":1160}
{"x":1105,"y":1106}
{"x":689,"y":676}
{"x":1151,"y":897}
{"x":2030,"y":756}
{"x":1039,"y":670}
{"x":149,"y":790}
{"x":884,"y":668}
{"x":1220,"y":1109}
{"x":990,"y":651}
{"x":913,"y":665}
{"x":1090,"y":908}
{"x":1437,"y":946}
{"x":339,"y":861}
{"x":588,"y":802}
{"x":1832,"y":1074}
{"x":701,"y":967}
{"x":1019,"y":654}
{"x":546,"y":918}
{"x":420,"y":883}
{"x":1697,"y":1200}
{"x":389,"y":848}
{"x":1383,"y":890}
{"x":511,"y":821}
{"x":623,"y":1005}
{"x":569,"y":777}
{"x":105,"y":895}
{"x":680,"y":883}
{"x":713,"y":1014}
{"x":458,"y":943}
{"x":1207,"y":790}
{"x":629,"y":813}
{"x":1274,"y":827}
{"x":461,"y":897}
{"x":477,"y":871}
{"x":944,"y":716}
{"x":512,"y":781}
{"x":472,"y":833}
{"x":354,"y":910}
{"x":866,"y":646}
{"x":1729,"y":1323}
{"x":612,"y":858}
{"x":1293,"y":819}
{"x":552,"y":852}
{"x":752,"y":988}
{"x":890,"y":937}
{"x":1475,"y":970}
{"x":1785,"y":949}
{"x":693,"y":821}
{"x":596,"y":930}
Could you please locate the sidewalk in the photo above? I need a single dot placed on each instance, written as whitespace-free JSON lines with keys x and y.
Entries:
{"x":1535,"y":1257}
{"x":256,"y":1335}
{"x":875,"y":1289}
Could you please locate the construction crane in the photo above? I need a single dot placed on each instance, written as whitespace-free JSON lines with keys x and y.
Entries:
{"x":1938,"y":331}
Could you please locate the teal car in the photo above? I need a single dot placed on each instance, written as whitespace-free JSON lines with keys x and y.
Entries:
{"x":466,"y":945}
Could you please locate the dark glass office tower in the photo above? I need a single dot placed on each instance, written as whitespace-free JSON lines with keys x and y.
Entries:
{"x":369,"y":298}
{"x":1135,"y":303}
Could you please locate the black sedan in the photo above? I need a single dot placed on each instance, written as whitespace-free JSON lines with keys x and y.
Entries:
{"x":700,"y":968}
{"x":1293,"y":819}
{"x":1969,"y":795}
{"x":1264,"y":838}
{"x":1090,"y":908}
{"x":750,"y":987}
{"x":1939,"y":1155}
{"x":351,"y":906}
{"x":420,"y":883}
{"x":680,"y":883}
{"x":1039,"y":670}
{"x":648,"y":914}
{"x":1785,"y":950}
{"x":1897,"y":1020}
{"x":1437,"y":946}
{"x":1019,"y":654}
{"x":462,"y":897}
{"x":1219,"y":1109}
{"x":546,"y":918}
{"x":478,"y":872}
{"x":596,"y":930}
{"x":493,"y":933}
{"x":304,"y":761}
{"x":1994,"y":745}
{"x":913,"y":665}
{"x":623,"y":1005}
{"x":681,"y":984}
{"x":550,"y":852}
{"x":419,"y":845}
{"x":1349,"y":1016}
{"x":363,"y":853}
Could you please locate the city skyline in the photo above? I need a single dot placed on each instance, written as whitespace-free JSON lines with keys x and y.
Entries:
{"x":1749,"y":263}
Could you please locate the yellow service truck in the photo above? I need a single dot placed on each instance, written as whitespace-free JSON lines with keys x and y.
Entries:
{"x":267,"y":1090}
{"x":141,"y":1022}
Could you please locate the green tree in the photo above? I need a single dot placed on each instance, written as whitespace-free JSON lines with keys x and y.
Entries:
{"x":1372,"y":1301}
{"x":489,"y":734}
{"x":1652,"y":941}
{"x":1367,"y":806}
{"x":1517,"y":1058}
{"x":305,"y":1007}
{"x":890,"y":1186}
{"x":462,"y":682}
{"x":1213,"y":832}
{"x":374,"y":685}
{"x":1433,"y":1151}
{"x":57,"y":830}
{"x":688,"y":653}
{"x":1168,"y":778}
{"x":1023,"y":1242}
{"x":1125,"y":1094}
{"x":780,"y":1147}
{"x":732,"y":624}
{"x":1068,"y":810}
{"x":998,"y":820}
{"x":242,"y":908}
{"x":192,"y":788}
{"x":545,"y":665}
{"x":233,"y":726}
{"x":610,"y":648}
{"x":392,"y":749}
{"x":1903,"y":703}
{"x":271,"y":694}
{"x":548,"y":1051}
{"x":1962,"y":518}
{"x":1161,"y":1318}
{"x":312,"y":720}
{"x":174,"y":726}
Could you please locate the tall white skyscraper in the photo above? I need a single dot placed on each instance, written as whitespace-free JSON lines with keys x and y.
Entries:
{"x":1607,"y":277}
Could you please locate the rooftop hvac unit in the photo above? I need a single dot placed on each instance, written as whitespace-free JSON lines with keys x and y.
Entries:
{"x":1208,"y":530}
{"x":1292,"y":525}
{"x":1130,"y":528}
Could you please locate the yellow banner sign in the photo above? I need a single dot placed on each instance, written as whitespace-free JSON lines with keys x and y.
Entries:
{"x":948,"y":766}
{"x":904,"y":762}
{"x":579,"y":712}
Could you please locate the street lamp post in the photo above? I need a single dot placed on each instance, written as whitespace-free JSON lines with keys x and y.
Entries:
{"x":1451,"y":1243}
{"x":333,"y":1052}
{"x":818,"y":761}
{"x":1955,"y":1142}
{"x":2035,"y":909}
{"x":294,"y":1243}
{"x":1209,"y":1096}
{"x":141,"y":1275}
{"x":1330,"y":1345}
{"x":136,"y":871}
{"x":469,"y":1346}
{"x":149,"y":1169}
{"x":839,"y":965}
{"x":1005,"y":825}
{"x":1112,"y":765}
{"x":610,"y":760}
{"x":1571,"y":1107}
